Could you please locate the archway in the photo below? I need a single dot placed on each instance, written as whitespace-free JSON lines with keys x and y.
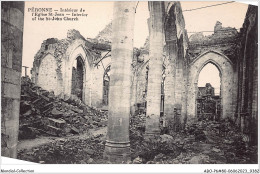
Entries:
{"x":176,"y":77}
{"x":79,"y":59}
{"x":77,"y":81}
{"x":106,"y":80}
{"x":208,"y":103}
{"x":225,"y":68}
{"x":171,"y":40}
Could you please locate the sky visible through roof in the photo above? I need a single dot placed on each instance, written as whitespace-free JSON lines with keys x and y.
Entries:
{"x":101,"y":13}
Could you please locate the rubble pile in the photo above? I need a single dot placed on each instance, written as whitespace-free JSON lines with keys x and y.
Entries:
{"x":67,"y":151}
{"x":43,"y":112}
{"x":202,"y":142}
{"x":149,"y":150}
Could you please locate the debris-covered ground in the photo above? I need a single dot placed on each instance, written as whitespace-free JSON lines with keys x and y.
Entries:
{"x":202,"y":142}
{"x":75,"y":134}
{"x":41,"y":112}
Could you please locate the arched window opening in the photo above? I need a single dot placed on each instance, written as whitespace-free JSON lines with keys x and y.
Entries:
{"x":142,"y":106}
{"x":77,"y":78}
{"x":208,"y":95}
{"x":106,"y":79}
{"x":162,"y":91}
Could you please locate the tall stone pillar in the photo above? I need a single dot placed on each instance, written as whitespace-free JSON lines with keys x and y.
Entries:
{"x":117,"y":148}
{"x":170,"y":81}
{"x":180,"y":85}
{"x":155,"y":68}
{"x":12,"y":20}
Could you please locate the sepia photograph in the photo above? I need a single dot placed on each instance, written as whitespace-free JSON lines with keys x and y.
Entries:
{"x":129,"y":82}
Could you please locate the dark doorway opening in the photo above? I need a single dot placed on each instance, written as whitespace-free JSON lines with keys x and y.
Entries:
{"x":77,"y":78}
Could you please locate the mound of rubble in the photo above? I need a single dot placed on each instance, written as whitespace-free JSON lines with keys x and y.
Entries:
{"x":71,"y":150}
{"x":43,"y":113}
{"x":201,"y":142}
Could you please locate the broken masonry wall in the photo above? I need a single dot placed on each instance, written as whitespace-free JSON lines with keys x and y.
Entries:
{"x":77,"y":50}
{"x":97,"y":81}
{"x":247,"y":101}
{"x":48,"y":69}
{"x":48,"y":63}
{"x":65,"y":52}
{"x":224,"y":41}
{"x":139,"y":80}
{"x":12,"y":20}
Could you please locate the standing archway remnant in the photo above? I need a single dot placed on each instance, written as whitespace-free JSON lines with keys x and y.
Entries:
{"x":225,"y":68}
{"x":63,"y":54}
{"x":79,"y":59}
{"x":172,"y":56}
{"x":176,"y":64}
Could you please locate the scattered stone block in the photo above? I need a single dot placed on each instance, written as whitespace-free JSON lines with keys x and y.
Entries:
{"x":55,"y":112}
{"x":74,"y":130}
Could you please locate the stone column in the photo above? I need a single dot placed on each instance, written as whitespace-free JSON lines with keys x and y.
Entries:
{"x":117,"y":148}
{"x":170,"y":82}
{"x":155,"y":68}
{"x":179,"y":84}
{"x":179,"y":87}
{"x":12,"y":20}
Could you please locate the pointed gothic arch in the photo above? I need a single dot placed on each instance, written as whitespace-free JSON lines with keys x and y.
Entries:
{"x":225,"y":68}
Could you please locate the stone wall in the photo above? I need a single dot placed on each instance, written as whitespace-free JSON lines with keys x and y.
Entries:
{"x":224,"y":41}
{"x":48,"y":69}
{"x":56,"y":59}
{"x":12,"y":22}
{"x":247,"y":65}
{"x":97,"y":81}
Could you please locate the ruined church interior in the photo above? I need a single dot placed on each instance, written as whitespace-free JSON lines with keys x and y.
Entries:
{"x":102,"y":100}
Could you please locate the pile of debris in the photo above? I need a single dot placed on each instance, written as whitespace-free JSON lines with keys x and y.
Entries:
{"x":43,"y":112}
{"x":201,"y":142}
{"x":69,"y":150}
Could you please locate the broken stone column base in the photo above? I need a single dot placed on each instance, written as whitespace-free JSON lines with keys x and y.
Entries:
{"x":152,"y":128}
{"x":117,"y":152}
